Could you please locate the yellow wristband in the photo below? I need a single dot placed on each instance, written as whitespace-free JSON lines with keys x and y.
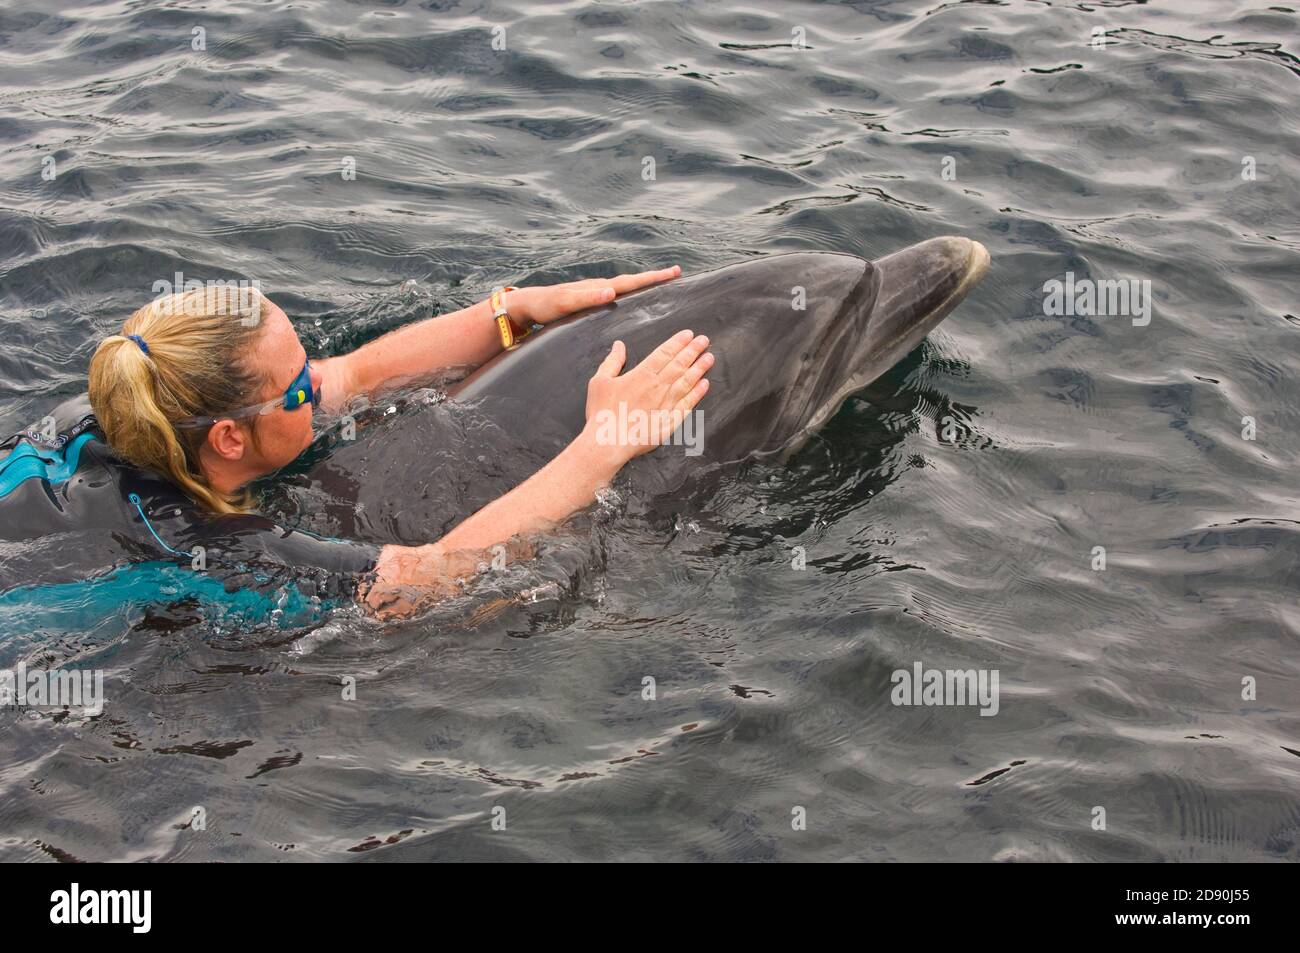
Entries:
{"x":510,"y":335}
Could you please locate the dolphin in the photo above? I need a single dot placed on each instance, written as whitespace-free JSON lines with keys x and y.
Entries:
{"x":794,"y":335}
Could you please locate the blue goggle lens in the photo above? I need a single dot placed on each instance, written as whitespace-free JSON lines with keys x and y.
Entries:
{"x":300,"y":391}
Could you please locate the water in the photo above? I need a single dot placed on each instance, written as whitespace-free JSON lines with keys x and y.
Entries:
{"x":1120,"y":689}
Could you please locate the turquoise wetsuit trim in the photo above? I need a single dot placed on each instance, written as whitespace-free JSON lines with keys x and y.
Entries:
{"x":26,"y":462}
{"x":41,"y":610}
{"x":32,"y":614}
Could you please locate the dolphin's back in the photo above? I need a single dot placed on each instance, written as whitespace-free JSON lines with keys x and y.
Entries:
{"x":779,"y":328}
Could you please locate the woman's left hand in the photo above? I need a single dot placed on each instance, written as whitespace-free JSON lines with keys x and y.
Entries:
{"x":546,"y":303}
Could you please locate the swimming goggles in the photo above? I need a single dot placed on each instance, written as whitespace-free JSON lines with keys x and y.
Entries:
{"x":299,"y":393}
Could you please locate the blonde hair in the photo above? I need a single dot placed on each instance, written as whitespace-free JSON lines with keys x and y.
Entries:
{"x":195,"y":365}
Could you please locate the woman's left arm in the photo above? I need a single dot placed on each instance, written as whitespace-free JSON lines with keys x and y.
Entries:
{"x":465,"y":338}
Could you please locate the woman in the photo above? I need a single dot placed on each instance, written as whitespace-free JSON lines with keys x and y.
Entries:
{"x":212,"y":389}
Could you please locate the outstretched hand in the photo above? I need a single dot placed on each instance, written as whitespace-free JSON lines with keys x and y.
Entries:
{"x":545,"y":303}
{"x":661,"y":391}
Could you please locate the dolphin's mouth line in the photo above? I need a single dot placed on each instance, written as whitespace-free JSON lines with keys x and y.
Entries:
{"x":976,"y":266}
{"x":977,"y":263}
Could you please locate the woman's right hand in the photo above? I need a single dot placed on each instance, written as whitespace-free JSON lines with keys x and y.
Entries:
{"x":664,"y":388}
{"x":659,"y":391}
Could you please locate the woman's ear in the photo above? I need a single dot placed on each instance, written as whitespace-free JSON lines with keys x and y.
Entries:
{"x":227,"y":440}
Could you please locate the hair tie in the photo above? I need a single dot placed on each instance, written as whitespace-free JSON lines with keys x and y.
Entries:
{"x":140,"y":341}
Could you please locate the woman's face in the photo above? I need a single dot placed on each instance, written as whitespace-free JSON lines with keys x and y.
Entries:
{"x":278,"y":357}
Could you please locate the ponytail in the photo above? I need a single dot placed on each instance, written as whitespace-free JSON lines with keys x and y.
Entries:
{"x":180,"y":356}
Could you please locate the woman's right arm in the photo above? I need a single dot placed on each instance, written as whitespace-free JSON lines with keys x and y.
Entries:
{"x":666,"y":385}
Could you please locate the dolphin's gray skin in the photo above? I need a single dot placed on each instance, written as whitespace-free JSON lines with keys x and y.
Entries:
{"x":411,"y":476}
{"x":780,"y":372}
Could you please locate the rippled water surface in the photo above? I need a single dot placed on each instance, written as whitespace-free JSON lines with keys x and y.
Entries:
{"x":1120,"y":689}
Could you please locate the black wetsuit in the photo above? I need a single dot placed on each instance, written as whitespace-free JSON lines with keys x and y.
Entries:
{"x":76,"y":519}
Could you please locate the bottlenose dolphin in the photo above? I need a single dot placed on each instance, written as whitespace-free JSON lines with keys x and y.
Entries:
{"x":794,"y":335}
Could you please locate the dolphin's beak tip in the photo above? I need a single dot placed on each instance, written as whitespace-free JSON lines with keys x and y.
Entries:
{"x":973,"y":253}
{"x":960,"y":247}
{"x":979,"y":260}
{"x":962,"y":251}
